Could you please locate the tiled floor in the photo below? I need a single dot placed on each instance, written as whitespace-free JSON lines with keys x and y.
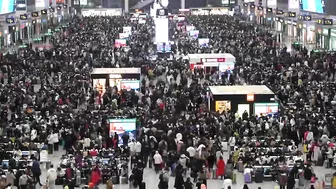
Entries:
{"x":152,"y":179}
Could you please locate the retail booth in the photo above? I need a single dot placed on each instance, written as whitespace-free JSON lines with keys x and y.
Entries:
{"x":220,"y":62}
{"x":255,"y":99}
{"x":122,"y":78}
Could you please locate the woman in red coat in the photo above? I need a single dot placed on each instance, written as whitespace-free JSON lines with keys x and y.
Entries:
{"x":95,"y":177}
{"x":220,"y":168}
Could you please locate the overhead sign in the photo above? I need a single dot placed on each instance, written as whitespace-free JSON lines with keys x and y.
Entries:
{"x":23,"y":17}
{"x":44,"y":11}
{"x":10,"y":20}
{"x":35,"y":14}
{"x":279,"y":12}
{"x":41,"y":4}
{"x":162,"y":12}
{"x":292,"y":14}
{"x":293,"y":4}
{"x":21,"y":5}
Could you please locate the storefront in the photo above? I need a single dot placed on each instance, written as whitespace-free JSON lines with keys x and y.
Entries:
{"x":104,"y":79}
{"x":254,"y":99}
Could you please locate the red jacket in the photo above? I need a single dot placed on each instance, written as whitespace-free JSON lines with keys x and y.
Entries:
{"x":95,"y":177}
{"x":220,"y":168}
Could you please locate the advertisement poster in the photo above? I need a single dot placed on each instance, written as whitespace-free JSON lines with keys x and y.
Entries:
{"x":99,"y":85}
{"x":120,"y":126}
{"x":194,"y":33}
{"x":7,"y":6}
{"x":130,"y":84}
{"x":223,"y":105}
{"x":120,"y":43}
{"x":266,"y":108}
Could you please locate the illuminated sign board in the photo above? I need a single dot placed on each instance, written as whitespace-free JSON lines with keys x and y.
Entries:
{"x":34,"y":14}
{"x":23,"y":17}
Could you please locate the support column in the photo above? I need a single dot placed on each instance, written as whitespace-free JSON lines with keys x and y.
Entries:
{"x":126,"y":6}
{"x":182,"y":4}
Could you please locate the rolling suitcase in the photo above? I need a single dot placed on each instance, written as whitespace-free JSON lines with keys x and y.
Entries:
{"x":78,"y":178}
{"x":240,"y":166}
{"x":247,"y":178}
{"x":115,"y":180}
{"x":259,"y":176}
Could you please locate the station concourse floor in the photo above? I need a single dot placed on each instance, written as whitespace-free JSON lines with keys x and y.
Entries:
{"x":152,"y":179}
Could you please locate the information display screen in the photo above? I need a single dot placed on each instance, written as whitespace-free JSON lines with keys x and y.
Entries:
{"x":163,"y":47}
{"x":194,"y":33}
{"x":120,"y":126}
{"x":203,"y":42}
{"x":130,"y":84}
{"x":120,"y":43}
{"x":266,"y":108}
{"x":313,"y":6}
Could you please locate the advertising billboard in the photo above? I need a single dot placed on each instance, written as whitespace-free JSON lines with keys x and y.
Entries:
{"x":316,"y":6}
{"x":7,"y":6}
{"x":121,"y":126}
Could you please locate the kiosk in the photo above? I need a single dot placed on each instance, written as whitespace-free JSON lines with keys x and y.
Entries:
{"x":220,"y":62}
{"x":122,"y":78}
{"x":255,"y":99}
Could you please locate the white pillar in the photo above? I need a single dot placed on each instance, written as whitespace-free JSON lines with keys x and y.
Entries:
{"x":182,"y":4}
{"x":126,"y":6}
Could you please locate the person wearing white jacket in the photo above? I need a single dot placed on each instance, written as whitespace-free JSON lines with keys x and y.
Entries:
{"x":227,"y":184}
{"x":138,"y":147}
{"x":157,"y":158}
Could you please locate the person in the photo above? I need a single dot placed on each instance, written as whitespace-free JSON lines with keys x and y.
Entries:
{"x":291,"y":180}
{"x":307,"y":174}
{"x":95,"y":176}
{"x":220,"y":168}
{"x":188,"y":184}
{"x":227,"y":183}
{"x":165,"y":175}
{"x":157,"y":161}
{"x":51,"y":177}
{"x":23,"y":180}
{"x":36,"y":170}
{"x":179,"y":181}
{"x":245,"y":186}
{"x":162,"y":183}
{"x":10,"y":178}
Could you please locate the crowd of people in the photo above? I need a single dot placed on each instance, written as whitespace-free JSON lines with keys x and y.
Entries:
{"x":47,"y":97}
